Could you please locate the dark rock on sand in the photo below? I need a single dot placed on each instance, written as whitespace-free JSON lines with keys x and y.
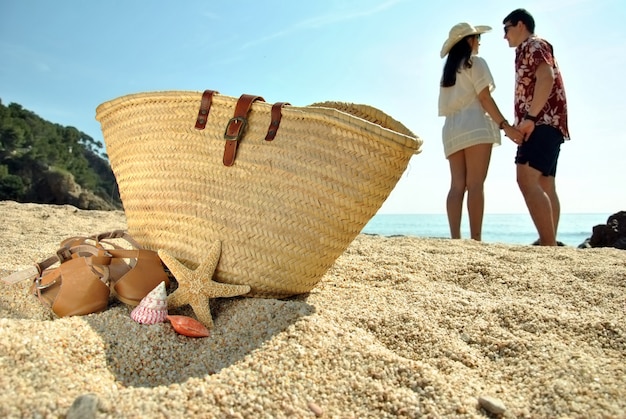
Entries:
{"x":611,"y":234}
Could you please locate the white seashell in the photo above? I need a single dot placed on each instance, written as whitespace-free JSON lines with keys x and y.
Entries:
{"x":153,"y":307}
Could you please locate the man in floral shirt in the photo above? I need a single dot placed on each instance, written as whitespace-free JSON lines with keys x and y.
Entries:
{"x":541,"y":115}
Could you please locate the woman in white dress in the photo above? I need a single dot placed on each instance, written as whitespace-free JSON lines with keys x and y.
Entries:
{"x":472,"y":126}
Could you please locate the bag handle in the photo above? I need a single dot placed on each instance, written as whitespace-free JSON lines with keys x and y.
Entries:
{"x":205,"y":107}
{"x":237,"y":124}
{"x":275,"y":122}
{"x":236,"y":127}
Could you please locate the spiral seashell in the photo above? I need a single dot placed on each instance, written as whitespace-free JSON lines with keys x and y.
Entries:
{"x":153,"y":307}
{"x":188,"y":326}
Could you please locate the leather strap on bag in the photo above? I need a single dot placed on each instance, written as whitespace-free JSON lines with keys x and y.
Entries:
{"x":205,"y":106}
{"x":275,"y":122}
{"x":236,"y":127}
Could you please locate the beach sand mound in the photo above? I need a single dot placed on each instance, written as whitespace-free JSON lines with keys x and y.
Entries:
{"x":398,"y":327}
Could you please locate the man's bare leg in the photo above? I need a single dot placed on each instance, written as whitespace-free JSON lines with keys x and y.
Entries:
{"x":538,"y":203}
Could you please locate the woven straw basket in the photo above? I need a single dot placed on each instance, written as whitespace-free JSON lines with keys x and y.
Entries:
{"x":284,"y":211}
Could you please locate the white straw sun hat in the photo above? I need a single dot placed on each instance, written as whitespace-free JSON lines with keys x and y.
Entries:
{"x":460,"y":31}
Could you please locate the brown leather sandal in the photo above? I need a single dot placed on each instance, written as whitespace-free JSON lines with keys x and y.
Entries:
{"x":76,"y":287}
{"x":133,"y":272}
{"x":130,"y":274}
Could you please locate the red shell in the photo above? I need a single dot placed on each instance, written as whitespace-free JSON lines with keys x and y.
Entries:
{"x":188,"y":326}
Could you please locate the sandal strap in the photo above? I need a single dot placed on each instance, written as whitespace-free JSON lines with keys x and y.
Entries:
{"x":97,"y":256}
{"x":32,"y":272}
{"x":75,"y":247}
{"x":116,"y":234}
{"x":96,"y":239}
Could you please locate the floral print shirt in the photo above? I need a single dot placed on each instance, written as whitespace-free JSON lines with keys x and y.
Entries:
{"x":528,"y":56}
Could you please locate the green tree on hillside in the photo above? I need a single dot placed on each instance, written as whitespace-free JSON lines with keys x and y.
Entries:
{"x":31,"y":146}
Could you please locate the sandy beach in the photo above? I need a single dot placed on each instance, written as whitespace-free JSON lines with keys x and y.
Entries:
{"x":398,"y":327}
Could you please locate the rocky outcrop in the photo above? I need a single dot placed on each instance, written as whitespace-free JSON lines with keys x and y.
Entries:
{"x":58,"y":187}
{"x":611,"y":234}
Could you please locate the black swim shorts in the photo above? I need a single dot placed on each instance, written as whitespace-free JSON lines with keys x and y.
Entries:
{"x":541,"y":150}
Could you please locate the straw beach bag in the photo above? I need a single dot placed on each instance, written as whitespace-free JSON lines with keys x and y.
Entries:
{"x":285,"y":189}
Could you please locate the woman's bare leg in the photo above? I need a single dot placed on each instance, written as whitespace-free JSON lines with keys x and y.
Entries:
{"x":477,"y":158}
{"x":454,"y":202}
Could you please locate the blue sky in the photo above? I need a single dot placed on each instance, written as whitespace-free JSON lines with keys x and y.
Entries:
{"x":62,"y":58}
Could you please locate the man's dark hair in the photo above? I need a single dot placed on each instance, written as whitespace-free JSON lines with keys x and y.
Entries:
{"x":521,"y":15}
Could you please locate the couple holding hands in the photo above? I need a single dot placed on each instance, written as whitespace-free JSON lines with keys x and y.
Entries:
{"x":473,"y":123}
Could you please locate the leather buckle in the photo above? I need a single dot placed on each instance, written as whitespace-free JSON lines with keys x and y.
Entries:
{"x":39,"y":287}
{"x":64,"y":254}
{"x":235,"y":128}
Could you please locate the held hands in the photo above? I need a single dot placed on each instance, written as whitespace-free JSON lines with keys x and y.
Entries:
{"x":526,"y":127}
{"x":515,"y":133}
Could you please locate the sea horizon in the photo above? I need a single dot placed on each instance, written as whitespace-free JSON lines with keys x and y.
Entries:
{"x":509,"y":228}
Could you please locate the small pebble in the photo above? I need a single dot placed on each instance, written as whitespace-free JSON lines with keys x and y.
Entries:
{"x":84,"y":407}
{"x":317,"y":411}
{"x":492,"y":405}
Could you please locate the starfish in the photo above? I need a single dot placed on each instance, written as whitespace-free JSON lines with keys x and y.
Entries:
{"x":196,"y":287}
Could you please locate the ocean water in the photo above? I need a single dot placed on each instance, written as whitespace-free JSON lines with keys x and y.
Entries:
{"x":497,"y":228}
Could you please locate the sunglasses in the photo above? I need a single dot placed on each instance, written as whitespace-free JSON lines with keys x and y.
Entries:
{"x":506,"y":28}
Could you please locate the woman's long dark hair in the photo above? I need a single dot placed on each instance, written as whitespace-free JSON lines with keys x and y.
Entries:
{"x":459,"y":57}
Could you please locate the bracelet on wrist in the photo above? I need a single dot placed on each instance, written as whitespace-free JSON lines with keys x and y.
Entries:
{"x":530,"y":117}
{"x":503,"y":123}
